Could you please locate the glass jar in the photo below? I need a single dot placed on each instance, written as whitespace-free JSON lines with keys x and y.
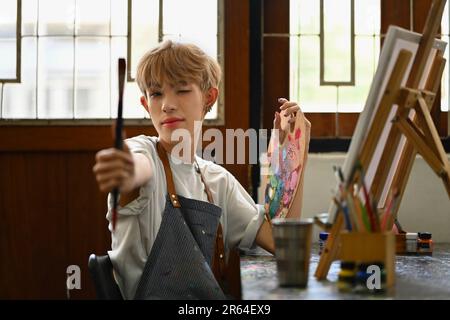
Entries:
{"x":411,"y":242}
{"x":424,"y":243}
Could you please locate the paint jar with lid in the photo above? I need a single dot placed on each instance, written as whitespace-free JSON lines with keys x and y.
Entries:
{"x":411,"y":242}
{"x":400,"y":243}
{"x":323,"y":236}
{"x":424,"y":243}
{"x":346,"y":277}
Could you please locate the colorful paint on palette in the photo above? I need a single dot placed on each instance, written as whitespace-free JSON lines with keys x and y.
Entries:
{"x":286,"y":164}
{"x":284,"y":167}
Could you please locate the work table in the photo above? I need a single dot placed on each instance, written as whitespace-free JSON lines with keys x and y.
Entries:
{"x":417,"y":277}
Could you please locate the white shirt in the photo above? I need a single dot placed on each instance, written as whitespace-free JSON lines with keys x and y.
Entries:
{"x":139,"y":221}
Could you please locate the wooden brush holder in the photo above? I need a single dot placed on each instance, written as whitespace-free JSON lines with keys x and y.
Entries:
{"x":365,"y":247}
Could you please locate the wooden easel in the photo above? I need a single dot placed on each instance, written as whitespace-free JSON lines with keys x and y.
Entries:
{"x":420,"y":132}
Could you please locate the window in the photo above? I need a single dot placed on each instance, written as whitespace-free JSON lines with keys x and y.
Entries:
{"x":68,"y":59}
{"x":301,"y":49}
{"x":334,"y":48}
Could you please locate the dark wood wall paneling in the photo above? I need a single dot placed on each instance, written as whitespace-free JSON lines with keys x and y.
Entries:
{"x":395,"y":12}
{"x":33,"y":224}
{"x":237,"y":81}
{"x":275,"y":57}
{"x":255,"y":78}
{"x":52,"y":214}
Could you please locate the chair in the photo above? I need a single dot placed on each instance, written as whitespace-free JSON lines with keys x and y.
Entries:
{"x":101,"y":271}
{"x":106,"y":288}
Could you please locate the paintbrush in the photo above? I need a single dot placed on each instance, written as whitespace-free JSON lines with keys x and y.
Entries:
{"x":387,"y":211}
{"x":344,"y":210}
{"x":392,"y":210}
{"x":118,"y":143}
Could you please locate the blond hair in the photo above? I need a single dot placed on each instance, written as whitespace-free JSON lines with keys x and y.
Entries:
{"x":173,"y":63}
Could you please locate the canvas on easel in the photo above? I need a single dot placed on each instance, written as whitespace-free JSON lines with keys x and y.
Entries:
{"x":284,"y":172}
{"x":373,"y":134}
{"x":395,"y":124}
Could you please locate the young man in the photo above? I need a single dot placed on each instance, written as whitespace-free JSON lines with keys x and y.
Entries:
{"x":163,"y":244}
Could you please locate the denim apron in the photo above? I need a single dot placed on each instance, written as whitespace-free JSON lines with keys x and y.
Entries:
{"x":179,"y":264}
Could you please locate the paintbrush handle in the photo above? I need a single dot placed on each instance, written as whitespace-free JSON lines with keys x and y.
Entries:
{"x":114,"y":211}
{"x":118,"y":143}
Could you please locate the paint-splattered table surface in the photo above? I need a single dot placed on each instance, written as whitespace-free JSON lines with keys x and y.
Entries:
{"x":417,"y":277}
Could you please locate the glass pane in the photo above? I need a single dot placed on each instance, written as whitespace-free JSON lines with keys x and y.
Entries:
{"x":294,"y":17}
{"x":8,"y":43}
{"x":19,"y":99}
{"x":337,"y":40}
{"x":377,"y":50}
{"x":144,"y":29}
{"x":92,"y":78}
{"x":56,"y":17}
{"x":304,"y":17}
{"x":367,"y":17}
{"x":191,"y":28}
{"x":119,"y":16}
{"x":445,"y":81}
{"x":131,"y":105}
{"x":445,"y":20}
{"x":445,"y":84}
{"x":8,"y":49}
{"x":8,"y":18}
{"x":8,"y":14}
{"x":92,"y":17}
{"x":312,"y":97}
{"x":55,"y":77}
{"x":132,"y":108}
{"x":207,"y":44}
{"x":29,"y":17}
{"x":352,"y":99}
{"x":198,"y":25}
{"x":294,"y":75}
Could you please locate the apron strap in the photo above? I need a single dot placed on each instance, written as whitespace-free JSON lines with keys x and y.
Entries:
{"x":169,"y":179}
{"x":207,"y":190}
{"x":218,"y":263}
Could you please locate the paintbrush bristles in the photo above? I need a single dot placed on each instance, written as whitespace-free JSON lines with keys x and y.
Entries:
{"x":122,"y":70}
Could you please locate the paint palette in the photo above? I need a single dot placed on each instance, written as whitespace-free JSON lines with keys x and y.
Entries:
{"x":284,"y":167}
